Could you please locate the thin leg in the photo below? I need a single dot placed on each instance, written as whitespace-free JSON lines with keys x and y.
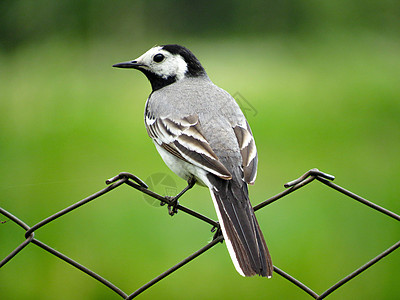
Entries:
{"x":173,"y":206}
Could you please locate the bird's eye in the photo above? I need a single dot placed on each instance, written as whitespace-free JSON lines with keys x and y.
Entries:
{"x":158,"y":58}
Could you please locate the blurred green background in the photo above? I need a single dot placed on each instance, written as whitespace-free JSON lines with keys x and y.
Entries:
{"x":323,"y":81}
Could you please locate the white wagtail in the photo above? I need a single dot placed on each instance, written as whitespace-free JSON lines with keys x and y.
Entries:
{"x":203,"y":136}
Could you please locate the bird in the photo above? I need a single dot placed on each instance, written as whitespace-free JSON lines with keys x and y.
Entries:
{"x":203,"y":136}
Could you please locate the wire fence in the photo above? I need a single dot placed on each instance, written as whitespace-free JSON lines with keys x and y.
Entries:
{"x":138,"y":184}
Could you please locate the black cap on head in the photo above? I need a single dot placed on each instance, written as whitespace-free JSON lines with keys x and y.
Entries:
{"x":194,"y":66}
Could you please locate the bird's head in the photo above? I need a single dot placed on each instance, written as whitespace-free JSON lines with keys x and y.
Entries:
{"x":164,"y":65}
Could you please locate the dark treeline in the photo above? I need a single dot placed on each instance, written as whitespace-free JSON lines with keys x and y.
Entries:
{"x":22,"y":21}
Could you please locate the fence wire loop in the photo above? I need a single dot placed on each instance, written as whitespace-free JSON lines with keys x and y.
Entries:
{"x":124,"y":175}
{"x":313,"y":172}
{"x":173,"y":207}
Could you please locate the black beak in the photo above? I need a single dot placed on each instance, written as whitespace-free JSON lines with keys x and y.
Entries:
{"x":128,"y":64}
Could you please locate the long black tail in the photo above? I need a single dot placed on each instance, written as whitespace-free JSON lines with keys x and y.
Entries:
{"x":243,"y":236}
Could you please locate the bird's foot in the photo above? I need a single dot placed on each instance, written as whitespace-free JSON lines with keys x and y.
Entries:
{"x":172,"y":205}
{"x":173,"y":202}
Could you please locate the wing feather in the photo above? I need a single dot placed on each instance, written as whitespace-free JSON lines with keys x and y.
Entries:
{"x":248,"y":152}
{"x":183,"y":138}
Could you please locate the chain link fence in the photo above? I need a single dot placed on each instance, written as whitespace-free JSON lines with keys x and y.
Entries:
{"x":138,"y":184}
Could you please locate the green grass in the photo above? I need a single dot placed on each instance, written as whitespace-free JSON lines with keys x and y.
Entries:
{"x":69,"y":121}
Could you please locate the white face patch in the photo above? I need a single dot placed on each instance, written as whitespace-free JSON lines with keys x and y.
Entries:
{"x":171,"y":65}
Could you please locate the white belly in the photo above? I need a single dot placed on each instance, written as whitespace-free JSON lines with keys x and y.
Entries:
{"x":182,"y":168}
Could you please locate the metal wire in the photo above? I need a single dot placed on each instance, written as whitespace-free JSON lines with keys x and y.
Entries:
{"x":138,"y":184}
